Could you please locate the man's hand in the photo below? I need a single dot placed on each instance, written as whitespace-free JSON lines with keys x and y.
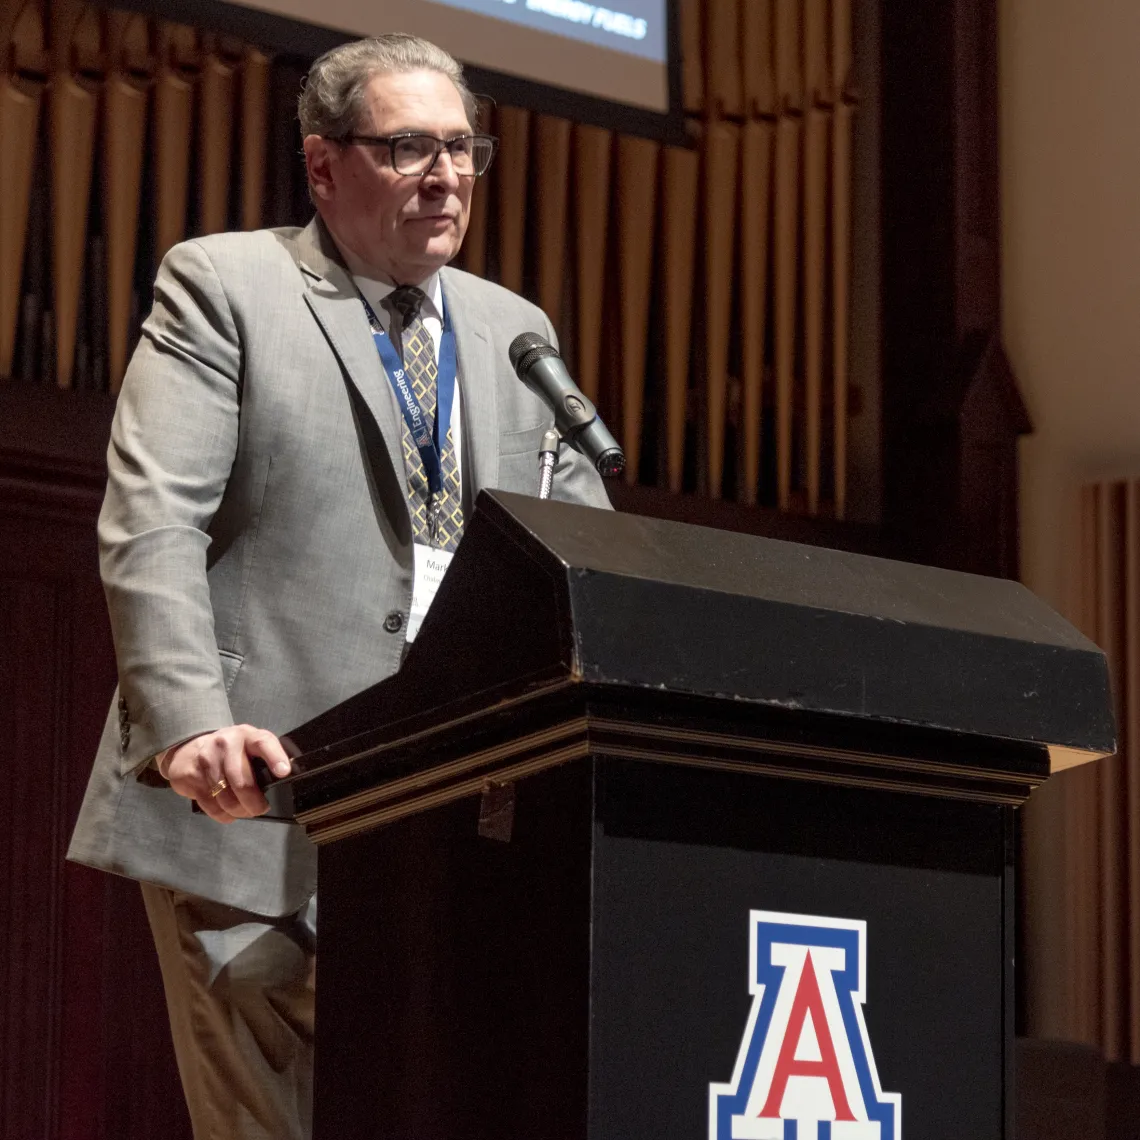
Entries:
{"x":198,"y":764}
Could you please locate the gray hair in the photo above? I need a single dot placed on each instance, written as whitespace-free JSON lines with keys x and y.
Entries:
{"x":332,"y":98}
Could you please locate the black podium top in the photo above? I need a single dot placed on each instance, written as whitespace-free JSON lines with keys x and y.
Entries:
{"x":546,"y":595}
{"x":668,"y":606}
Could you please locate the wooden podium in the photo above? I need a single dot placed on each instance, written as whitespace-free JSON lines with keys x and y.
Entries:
{"x":667,"y":832}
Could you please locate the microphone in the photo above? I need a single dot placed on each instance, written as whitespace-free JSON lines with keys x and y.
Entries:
{"x":541,"y":369}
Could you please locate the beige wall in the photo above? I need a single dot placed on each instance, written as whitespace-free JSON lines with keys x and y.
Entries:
{"x":1070,"y":105}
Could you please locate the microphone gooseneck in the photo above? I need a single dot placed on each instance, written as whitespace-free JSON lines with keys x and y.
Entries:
{"x":540,"y":368}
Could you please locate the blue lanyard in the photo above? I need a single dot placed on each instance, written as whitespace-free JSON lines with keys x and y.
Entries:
{"x":427,"y":436}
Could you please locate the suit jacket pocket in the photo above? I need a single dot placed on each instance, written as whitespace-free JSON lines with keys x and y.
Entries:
{"x":526,"y":441}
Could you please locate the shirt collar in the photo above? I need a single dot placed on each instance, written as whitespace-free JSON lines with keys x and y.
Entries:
{"x":375,"y":291}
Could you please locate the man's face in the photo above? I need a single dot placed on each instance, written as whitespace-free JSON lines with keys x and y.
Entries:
{"x":389,"y":224}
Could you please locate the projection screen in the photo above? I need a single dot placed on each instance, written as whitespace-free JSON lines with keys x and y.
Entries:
{"x":620,"y":54}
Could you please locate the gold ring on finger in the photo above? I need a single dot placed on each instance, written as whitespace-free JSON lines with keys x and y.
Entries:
{"x":217,"y":789}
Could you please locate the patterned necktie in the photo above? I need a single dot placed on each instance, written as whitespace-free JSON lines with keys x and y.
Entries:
{"x":417,"y":350}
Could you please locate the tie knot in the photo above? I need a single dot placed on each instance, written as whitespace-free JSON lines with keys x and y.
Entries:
{"x":406,"y":300}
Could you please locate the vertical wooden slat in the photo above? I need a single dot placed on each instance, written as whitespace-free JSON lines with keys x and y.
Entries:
{"x":1066,"y":975}
{"x":786,"y":234}
{"x":636,"y":195}
{"x":215,"y":138}
{"x":19,"y":120}
{"x":1071,"y":943}
{"x":789,"y":54}
{"x":724,"y":90}
{"x":74,"y":110}
{"x":758,"y":57}
{"x":841,"y":125}
{"x":1084,"y":898}
{"x":681,"y":171}
{"x":755,"y":211}
{"x":788,"y":33}
{"x":814,"y":270}
{"x":721,"y":147}
{"x":552,"y":165}
{"x":1091,"y":994}
{"x":124,"y":140}
{"x":254,"y":136}
{"x":1111,"y":790}
{"x":842,"y":56}
{"x":173,"y":116}
{"x":475,"y":243}
{"x":692,"y":56}
{"x":1059,"y":896}
{"x":1131,"y":743}
{"x":817,"y":85}
{"x":817,"y":72}
{"x":514,"y":132}
{"x":21,"y":93}
{"x":842,"y":48}
{"x":593,"y":148}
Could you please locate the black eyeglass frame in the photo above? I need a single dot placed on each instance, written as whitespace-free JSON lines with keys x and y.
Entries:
{"x":390,"y":142}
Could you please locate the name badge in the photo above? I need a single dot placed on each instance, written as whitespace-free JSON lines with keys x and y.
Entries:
{"x":431,"y":565}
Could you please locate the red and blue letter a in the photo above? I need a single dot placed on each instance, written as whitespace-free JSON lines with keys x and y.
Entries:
{"x":805,"y":1070}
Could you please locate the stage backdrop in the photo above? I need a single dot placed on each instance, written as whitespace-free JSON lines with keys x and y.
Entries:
{"x":702,"y":294}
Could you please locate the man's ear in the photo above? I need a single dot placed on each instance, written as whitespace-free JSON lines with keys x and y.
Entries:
{"x":319,"y":159}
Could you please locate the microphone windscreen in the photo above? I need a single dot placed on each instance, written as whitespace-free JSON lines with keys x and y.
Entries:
{"x":525,"y":343}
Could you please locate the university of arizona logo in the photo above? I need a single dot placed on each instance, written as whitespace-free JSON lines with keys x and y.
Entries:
{"x":805,"y":1069}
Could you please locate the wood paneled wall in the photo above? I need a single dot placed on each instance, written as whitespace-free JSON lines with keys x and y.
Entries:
{"x":119,"y":136}
{"x":1083,"y":835}
{"x":85,"y":1052}
{"x":700,"y":294}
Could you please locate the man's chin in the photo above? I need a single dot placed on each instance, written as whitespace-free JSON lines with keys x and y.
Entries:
{"x":437,"y":254}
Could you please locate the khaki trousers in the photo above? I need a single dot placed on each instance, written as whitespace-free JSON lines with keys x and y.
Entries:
{"x":239,"y":991}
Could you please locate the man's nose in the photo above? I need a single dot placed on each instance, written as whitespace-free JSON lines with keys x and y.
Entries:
{"x":442,"y":173}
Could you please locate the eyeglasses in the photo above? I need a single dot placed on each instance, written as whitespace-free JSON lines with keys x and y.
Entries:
{"x":416,"y":155}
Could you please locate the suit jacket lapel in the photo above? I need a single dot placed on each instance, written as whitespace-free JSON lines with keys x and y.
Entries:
{"x":477,"y":379}
{"x":335,"y":303}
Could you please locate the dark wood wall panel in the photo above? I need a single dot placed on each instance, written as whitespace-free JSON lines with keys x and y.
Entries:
{"x":84,"y":1048}
{"x":30,"y":895}
{"x":952,"y":413}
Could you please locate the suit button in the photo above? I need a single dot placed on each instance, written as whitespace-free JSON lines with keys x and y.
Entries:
{"x":125,"y":738}
{"x":123,"y":705}
{"x":394,"y":622}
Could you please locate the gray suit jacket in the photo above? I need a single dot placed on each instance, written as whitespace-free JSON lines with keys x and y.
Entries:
{"x":255,"y":532}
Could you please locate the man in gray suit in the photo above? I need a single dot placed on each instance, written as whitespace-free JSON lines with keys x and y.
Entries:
{"x":272,"y":487}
